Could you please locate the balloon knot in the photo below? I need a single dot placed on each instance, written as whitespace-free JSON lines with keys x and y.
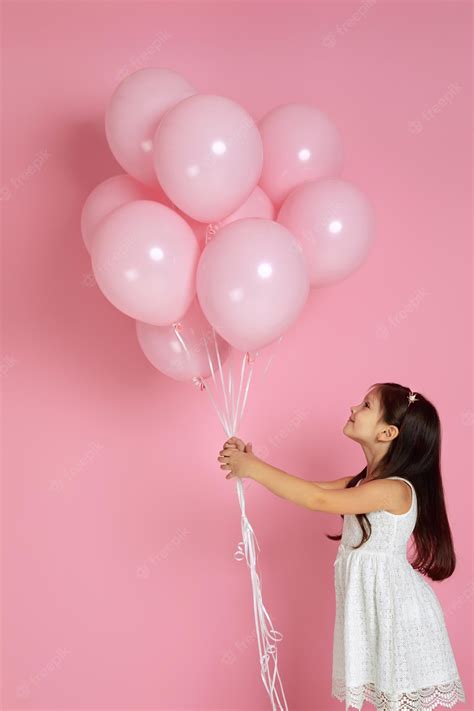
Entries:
{"x":198,"y":382}
{"x":211,"y":230}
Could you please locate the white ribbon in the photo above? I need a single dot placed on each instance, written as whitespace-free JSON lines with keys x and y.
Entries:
{"x":230,"y":420}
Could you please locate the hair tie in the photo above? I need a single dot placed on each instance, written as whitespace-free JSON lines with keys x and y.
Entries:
{"x":411,"y":398}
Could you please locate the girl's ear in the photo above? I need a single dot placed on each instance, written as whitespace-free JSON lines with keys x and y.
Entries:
{"x":390,"y":432}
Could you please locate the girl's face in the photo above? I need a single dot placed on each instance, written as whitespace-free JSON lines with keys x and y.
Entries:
{"x":365,"y":420}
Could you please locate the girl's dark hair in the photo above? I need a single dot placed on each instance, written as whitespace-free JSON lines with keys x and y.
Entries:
{"x":415,"y":455}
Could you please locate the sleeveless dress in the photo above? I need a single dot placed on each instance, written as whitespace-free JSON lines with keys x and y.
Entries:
{"x":391,"y":645}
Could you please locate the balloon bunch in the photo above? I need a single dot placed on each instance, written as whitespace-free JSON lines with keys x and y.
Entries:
{"x":212,"y":239}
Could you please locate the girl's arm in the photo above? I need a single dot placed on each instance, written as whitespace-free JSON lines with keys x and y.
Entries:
{"x":391,"y":495}
{"x":335,"y":483}
{"x":388,"y":494}
{"x":236,"y":442}
{"x":293,"y":488}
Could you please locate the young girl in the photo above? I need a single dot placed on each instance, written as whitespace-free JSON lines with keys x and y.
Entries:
{"x":391,"y":645}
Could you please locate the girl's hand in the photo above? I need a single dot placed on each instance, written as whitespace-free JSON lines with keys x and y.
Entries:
{"x":236,"y":459}
{"x":235,"y":442}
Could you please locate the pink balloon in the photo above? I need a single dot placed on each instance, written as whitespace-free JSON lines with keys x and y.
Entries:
{"x":134,"y":112}
{"x":334,"y":223}
{"x":183,"y":355}
{"x":208,"y":156}
{"x":111,"y":193}
{"x":256,"y":205}
{"x":300,"y":143}
{"x":252,"y":282}
{"x":144,"y":258}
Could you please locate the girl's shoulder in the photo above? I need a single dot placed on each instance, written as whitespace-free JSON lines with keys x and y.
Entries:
{"x":404,"y":500}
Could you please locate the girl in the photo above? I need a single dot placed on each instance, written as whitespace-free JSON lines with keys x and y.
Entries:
{"x":391,"y":645}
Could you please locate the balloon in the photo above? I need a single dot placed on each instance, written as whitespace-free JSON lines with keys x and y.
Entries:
{"x":144,"y":259}
{"x":256,"y":205}
{"x":252,"y":282}
{"x":208,"y":156}
{"x":111,"y":193}
{"x":183,"y":355}
{"x":334,"y":223}
{"x":134,"y":111}
{"x":300,"y":143}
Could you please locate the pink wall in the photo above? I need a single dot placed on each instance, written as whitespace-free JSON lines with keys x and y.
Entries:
{"x":120,"y":589}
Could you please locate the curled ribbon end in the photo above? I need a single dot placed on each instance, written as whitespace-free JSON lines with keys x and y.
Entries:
{"x":239,"y":553}
{"x":276,"y":636}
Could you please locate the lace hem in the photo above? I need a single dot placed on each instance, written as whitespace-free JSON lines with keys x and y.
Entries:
{"x":425,"y":699}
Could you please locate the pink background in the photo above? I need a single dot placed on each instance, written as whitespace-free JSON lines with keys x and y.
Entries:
{"x":120,"y":589}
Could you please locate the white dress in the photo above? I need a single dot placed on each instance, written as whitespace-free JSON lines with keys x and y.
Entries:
{"x":391,"y":645}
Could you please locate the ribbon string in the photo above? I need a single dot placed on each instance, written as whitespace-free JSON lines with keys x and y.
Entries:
{"x":230,"y":417}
